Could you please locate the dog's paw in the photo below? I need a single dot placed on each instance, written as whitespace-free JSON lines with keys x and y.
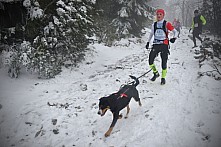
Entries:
{"x":120,"y":116}
{"x":107,"y":134}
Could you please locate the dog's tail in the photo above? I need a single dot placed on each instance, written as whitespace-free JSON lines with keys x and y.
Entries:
{"x":136,"y":81}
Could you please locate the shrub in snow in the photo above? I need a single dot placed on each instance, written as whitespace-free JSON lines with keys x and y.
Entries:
{"x":27,"y":3}
{"x":209,"y":58}
{"x":44,"y":60}
{"x":11,"y":59}
{"x":33,"y":8}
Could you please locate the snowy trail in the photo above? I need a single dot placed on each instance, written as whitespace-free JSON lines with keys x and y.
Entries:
{"x":184,"y":112}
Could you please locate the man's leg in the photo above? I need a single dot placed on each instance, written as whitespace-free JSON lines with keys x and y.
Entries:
{"x":152,"y":56}
{"x":198,"y":37}
{"x":164,"y":57}
{"x":178,"y":29}
{"x":194,"y":38}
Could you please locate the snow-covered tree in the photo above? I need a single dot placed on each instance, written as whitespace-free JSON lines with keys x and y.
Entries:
{"x":211,"y":10}
{"x":105,"y":12}
{"x":59,"y":31}
{"x":73,"y":25}
{"x":121,"y":18}
{"x":133,"y":15}
{"x":11,"y":59}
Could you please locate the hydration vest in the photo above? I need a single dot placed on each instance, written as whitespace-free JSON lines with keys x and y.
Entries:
{"x":197,"y":23}
{"x":160,"y":33}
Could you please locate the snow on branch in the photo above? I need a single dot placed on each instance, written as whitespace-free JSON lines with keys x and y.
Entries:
{"x":123,"y":12}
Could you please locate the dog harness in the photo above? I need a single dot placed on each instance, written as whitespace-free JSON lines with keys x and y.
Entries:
{"x":123,"y":95}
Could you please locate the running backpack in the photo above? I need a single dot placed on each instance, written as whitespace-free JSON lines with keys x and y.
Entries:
{"x":164,"y":27}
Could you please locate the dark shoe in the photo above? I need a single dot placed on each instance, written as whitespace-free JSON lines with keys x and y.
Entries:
{"x":163,"y":81}
{"x":156,"y":75}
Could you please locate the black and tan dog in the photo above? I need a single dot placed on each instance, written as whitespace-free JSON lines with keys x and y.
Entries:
{"x":117,"y":101}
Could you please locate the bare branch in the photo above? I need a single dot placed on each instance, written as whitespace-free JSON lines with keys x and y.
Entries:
{"x":48,"y":5}
{"x":217,"y":68}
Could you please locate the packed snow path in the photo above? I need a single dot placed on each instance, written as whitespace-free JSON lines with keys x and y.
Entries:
{"x":186,"y":112}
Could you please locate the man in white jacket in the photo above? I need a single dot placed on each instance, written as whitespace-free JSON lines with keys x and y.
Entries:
{"x":160,"y":32}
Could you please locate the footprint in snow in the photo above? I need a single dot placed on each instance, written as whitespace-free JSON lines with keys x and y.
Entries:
{"x":200,"y":124}
{"x":146,"y":115}
{"x":204,"y":136}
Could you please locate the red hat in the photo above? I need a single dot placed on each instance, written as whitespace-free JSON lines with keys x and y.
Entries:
{"x":160,"y":11}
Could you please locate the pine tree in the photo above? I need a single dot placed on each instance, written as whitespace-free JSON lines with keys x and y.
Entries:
{"x":132,"y":17}
{"x":207,"y":12}
{"x":211,"y":11}
{"x":121,"y":19}
{"x":217,"y":16}
{"x":61,"y":34}
{"x":105,"y":12}
{"x":73,"y":25}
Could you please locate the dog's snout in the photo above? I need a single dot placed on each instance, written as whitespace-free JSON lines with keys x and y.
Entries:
{"x":99,"y":112}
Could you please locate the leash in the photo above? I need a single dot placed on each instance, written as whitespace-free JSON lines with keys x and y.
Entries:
{"x":141,"y":75}
{"x":144,"y":74}
{"x":123,"y":94}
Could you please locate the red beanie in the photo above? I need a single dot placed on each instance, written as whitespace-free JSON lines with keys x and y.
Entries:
{"x":160,"y":11}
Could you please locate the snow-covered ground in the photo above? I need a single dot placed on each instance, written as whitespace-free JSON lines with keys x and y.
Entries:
{"x":186,"y":112}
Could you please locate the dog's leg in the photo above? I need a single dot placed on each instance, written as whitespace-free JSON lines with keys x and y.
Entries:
{"x":136,"y":97}
{"x":115,"y":118}
{"x":128,"y":110}
{"x":108,"y":132}
{"x":139,"y":103}
{"x":120,"y":116}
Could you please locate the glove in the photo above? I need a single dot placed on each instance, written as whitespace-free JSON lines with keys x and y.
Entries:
{"x":190,"y":30}
{"x":147,"y":46}
{"x":172,"y":40}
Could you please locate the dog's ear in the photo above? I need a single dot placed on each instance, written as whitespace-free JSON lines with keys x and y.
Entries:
{"x":100,"y":99}
{"x":132,"y":77}
{"x":103,"y":101}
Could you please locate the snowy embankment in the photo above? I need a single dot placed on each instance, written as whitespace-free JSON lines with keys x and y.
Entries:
{"x":186,"y":112}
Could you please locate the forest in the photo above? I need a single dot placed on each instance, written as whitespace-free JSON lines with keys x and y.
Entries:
{"x":46,"y":35}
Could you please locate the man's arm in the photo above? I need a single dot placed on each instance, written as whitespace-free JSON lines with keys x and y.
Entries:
{"x":203,"y":19}
{"x":151,"y":34}
{"x":175,"y":34}
{"x":192,"y":26}
{"x":172,"y":29}
{"x":150,"y":37}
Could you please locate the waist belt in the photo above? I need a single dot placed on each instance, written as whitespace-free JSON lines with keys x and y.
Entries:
{"x":157,"y":41}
